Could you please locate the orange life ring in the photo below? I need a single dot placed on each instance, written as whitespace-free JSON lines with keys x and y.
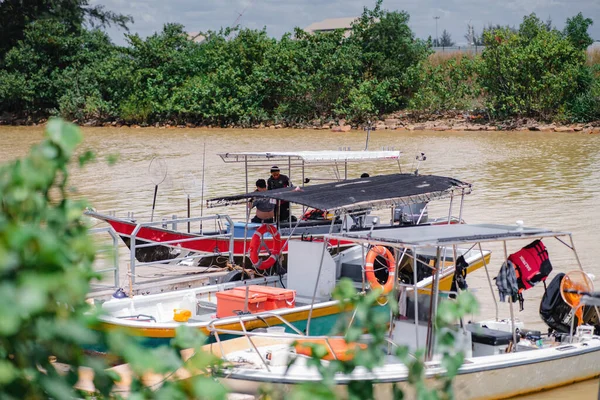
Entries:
{"x":257,"y":243}
{"x":391,"y":265}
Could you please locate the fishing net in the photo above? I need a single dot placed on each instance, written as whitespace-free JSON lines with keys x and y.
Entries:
{"x":572,"y":287}
{"x":157,"y":170}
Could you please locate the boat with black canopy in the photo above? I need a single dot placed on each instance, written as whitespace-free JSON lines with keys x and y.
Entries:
{"x":169,"y":240}
{"x":295,"y":294}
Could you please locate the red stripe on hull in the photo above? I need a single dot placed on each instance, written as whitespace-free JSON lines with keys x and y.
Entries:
{"x":206,"y":244}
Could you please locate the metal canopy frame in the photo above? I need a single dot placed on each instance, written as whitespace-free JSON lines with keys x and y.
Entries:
{"x":447,"y":235}
{"x":309,"y":158}
{"x":314,"y":156}
{"x":444,"y":236}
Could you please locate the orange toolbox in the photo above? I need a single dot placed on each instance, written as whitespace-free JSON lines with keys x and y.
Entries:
{"x":276,"y":297}
{"x":231,"y":302}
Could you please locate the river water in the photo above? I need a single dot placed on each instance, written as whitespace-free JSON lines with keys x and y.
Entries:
{"x":545,"y":179}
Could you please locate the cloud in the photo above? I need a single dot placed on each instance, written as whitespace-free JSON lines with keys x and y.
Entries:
{"x":280,"y":16}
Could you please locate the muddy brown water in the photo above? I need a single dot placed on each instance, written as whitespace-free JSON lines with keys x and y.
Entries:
{"x":544,"y":179}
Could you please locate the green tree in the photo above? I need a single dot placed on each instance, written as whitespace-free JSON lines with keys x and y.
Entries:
{"x":390,"y":51}
{"x":57,"y":71}
{"x":16,"y":15}
{"x":446,"y":39}
{"x":159,"y":65}
{"x":229,"y":81}
{"x":585,"y":107}
{"x":448,"y":85}
{"x":576,"y":30}
{"x":533,"y":72}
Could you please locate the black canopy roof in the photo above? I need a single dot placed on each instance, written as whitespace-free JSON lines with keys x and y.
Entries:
{"x":373,"y":192}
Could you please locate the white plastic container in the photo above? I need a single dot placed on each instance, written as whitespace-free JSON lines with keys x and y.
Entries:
{"x":276,"y":329}
{"x":501,"y":325}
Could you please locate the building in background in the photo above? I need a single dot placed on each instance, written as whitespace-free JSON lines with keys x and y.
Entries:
{"x":331,"y":24}
{"x":196,"y":37}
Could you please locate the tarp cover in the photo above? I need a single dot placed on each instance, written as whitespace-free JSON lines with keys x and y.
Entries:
{"x":372,"y":192}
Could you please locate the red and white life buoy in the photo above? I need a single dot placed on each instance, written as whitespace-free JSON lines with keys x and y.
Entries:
{"x":257,"y":243}
{"x":391,"y":266}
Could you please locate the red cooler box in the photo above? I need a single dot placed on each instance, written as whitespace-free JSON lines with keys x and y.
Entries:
{"x":231,"y":302}
{"x":276,"y":297}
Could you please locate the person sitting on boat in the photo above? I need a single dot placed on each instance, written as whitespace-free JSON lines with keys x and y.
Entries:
{"x":265,"y":208}
{"x":278,"y":181}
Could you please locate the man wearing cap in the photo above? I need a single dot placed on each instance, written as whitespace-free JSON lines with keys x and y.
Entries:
{"x":278,"y":181}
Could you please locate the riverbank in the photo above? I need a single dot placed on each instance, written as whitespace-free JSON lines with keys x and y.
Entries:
{"x":402,"y":121}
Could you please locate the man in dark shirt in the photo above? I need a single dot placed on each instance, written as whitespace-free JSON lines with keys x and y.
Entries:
{"x":264,"y":207}
{"x":278,"y":181}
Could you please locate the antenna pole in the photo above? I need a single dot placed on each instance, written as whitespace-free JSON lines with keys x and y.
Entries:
{"x":202,"y":194}
{"x":368,"y":129}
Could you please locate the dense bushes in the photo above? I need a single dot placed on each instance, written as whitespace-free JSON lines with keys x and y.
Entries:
{"x":46,"y":266}
{"x":244,"y":77}
{"x":534,"y":72}
{"x":447,"y":84}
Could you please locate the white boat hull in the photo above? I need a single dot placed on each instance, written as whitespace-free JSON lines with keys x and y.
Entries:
{"x":490,"y":377}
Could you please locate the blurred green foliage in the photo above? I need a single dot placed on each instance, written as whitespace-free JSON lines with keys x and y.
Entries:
{"x":46,"y":260}
{"x":57,"y":64}
{"x":367,"y":320}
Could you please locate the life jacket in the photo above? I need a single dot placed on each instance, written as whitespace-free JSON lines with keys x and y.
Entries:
{"x":532,"y":264}
{"x":459,"y":280}
{"x":316,"y":215}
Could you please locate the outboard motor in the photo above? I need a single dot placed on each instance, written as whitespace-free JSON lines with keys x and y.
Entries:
{"x":557,"y":314}
{"x":553,"y":309}
{"x":409,"y":214}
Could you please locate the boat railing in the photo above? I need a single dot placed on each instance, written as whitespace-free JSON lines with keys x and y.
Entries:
{"x":114,"y":254}
{"x":215,"y":330}
{"x":176,"y":243}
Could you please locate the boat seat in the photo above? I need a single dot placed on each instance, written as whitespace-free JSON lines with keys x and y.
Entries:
{"x":205,"y":307}
{"x":491,"y":337}
{"x":352,"y":270}
{"x":208,"y":305}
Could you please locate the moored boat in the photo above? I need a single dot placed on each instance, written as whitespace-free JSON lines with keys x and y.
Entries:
{"x":153,"y":241}
{"x":502,"y":358}
{"x":155,"y":316}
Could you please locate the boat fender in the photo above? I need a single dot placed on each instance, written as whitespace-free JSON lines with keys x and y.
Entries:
{"x":337,"y":348}
{"x":233,"y":276}
{"x":391,"y":266}
{"x":119,"y":294}
{"x":257,"y":243}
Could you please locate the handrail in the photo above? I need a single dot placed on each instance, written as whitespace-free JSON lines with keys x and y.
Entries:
{"x":212,"y":329}
{"x":115,"y":246}
{"x":240,"y":318}
{"x":133,"y":239}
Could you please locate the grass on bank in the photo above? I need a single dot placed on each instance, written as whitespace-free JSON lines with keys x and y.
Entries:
{"x":435,"y":59}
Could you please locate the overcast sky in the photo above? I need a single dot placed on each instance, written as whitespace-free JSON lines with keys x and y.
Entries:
{"x":281,"y":16}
